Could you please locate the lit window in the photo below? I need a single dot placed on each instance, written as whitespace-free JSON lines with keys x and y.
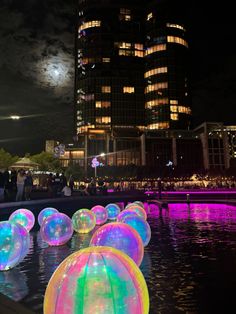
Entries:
{"x":157,"y":126}
{"x":138,"y":46}
{"x":177,"y":40}
{"x":89,"y":24}
{"x":128,"y":89}
{"x":106,"y":60}
{"x":155,"y":48}
{"x":103,"y":104}
{"x":175,"y":26}
{"x":155,"y":71}
{"x":156,"y":102}
{"x":173,"y":108}
{"x":103,"y":120}
{"x":125,"y":15}
{"x":124,"y":11}
{"x":149,"y":16}
{"x":174,"y":102}
{"x":106,"y":89}
{"x":156,"y":87}
{"x":174,"y":116}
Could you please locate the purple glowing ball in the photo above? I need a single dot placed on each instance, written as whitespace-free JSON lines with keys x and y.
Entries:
{"x":100,"y":213}
{"x":56,"y":229}
{"x":122,"y":237}
{"x":125,"y":213}
{"x":45,"y":213}
{"x":23,"y":217}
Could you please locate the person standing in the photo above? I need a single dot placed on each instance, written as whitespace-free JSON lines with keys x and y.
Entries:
{"x":71,"y":183}
{"x":20,"y":183}
{"x":28,"y":185}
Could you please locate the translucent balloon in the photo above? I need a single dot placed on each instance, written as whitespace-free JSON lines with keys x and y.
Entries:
{"x":139,"y":210}
{"x":45,"y":213}
{"x":100,"y":213}
{"x":83,"y":221}
{"x":56,"y":229}
{"x":25,"y":241}
{"x":125,"y":213}
{"x":12,"y":244}
{"x":122,"y":237}
{"x":99,"y":280}
{"x":140,"y":225}
{"x":24,"y":217}
{"x":140,"y":204}
{"x":113,"y":211}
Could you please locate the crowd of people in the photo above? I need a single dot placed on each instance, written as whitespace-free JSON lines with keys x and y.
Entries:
{"x":57,"y":185}
{"x":15,"y":185}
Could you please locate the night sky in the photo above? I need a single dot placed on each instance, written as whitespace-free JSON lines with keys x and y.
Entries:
{"x":36,"y":68}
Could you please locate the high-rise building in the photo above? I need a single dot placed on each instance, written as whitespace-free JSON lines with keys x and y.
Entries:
{"x":131,"y":76}
{"x":167,"y":99}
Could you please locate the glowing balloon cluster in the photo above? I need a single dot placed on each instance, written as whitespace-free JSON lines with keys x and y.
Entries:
{"x":140,"y":225}
{"x":83,"y":220}
{"x":122,"y":237}
{"x":100,"y":213}
{"x":23,"y":217}
{"x":45,"y":213}
{"x":99,"y":280}
{"x":113,"y":211}
{"x":56,"y":229}
{"x":14,"y":244}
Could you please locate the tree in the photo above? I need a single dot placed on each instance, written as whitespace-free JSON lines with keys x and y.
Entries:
{"x":47,"y":162}
{"x":6,"y":159}
{"x":75,"y":170}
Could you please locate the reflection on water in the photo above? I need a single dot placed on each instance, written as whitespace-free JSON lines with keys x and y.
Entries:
{"x":189,"y":264}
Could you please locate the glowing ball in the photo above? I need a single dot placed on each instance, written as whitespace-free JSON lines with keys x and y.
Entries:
{"x":45,"y":213}
{"x":140,"y":225}
{"x":83,"y":220}
{"x":56,"y":229}
{"x":12,"y":244}
{"x":139,"y":203}
{"x":23,"y":217}
{"x":138,"y":210}
{"x":99,"y":280}
{"x":100,"y":213}
{"x":25,"y":241}
{"x":113,"y":211}
{"x":122,"y":237}
{"x":125,"y":213}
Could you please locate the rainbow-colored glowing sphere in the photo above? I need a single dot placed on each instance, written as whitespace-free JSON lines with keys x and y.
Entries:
{"x":140,"y":225}
{"x":99,"y":280}
{"x":140,"y":204}
{"x":100,"y":213}
{"x":83,"y":221}
{"x":122,"y":237}
{"x":26,"y":241}
{"x":24,"y":217}
{"x":113,"y":211}
{"x":56,"y":229}
{"x":125,"y":213}
{"x":45,"y":213}
{"x":138,"y":210}
{"x":13,"y":244}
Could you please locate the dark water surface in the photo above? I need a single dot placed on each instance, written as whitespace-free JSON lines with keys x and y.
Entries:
{"x":189,"y":264}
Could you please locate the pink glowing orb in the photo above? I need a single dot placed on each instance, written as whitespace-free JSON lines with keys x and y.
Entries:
{"x":100,"y":213}
{"x":83,"y":221}
{"x":56,"y":229}
{"x":140,"y":225}
{"x":45,"y":213}
{"x":125,"y":213}
{"x":138,"y":210}
{"x":24,"y":217}
{"x":97,"y":280}
{"x":122,"y":237}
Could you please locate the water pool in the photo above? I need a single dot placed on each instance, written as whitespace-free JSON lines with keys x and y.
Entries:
{"x":189,"y":264}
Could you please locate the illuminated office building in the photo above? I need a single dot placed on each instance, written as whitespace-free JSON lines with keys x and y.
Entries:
{"x":131,"y":77}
